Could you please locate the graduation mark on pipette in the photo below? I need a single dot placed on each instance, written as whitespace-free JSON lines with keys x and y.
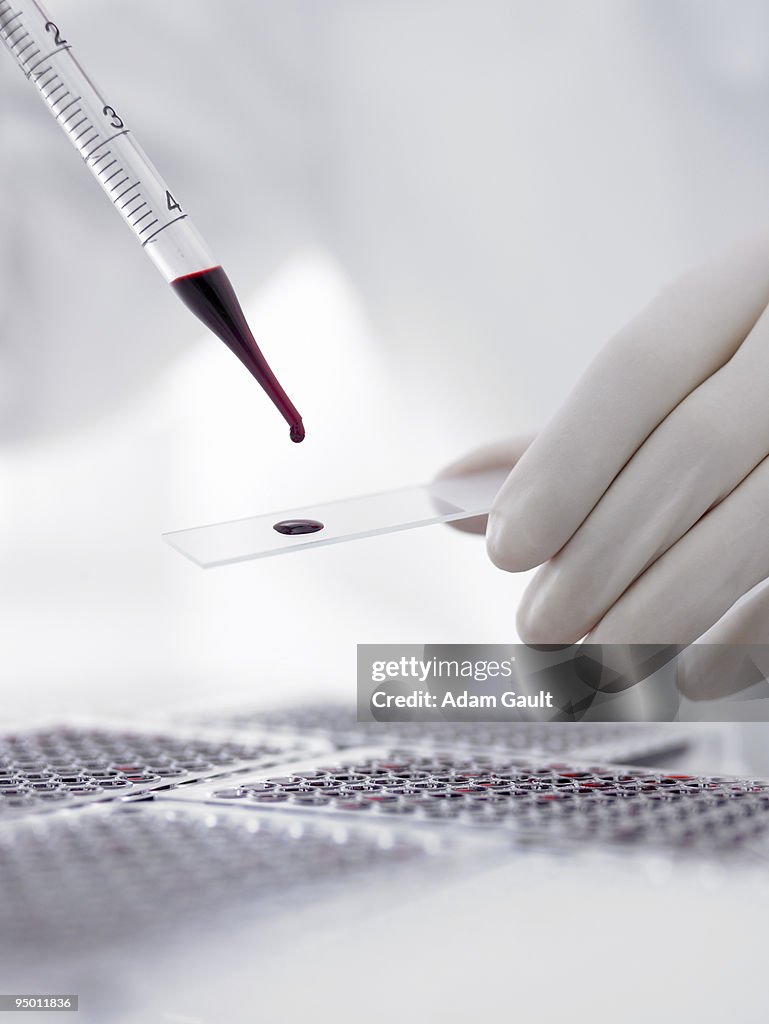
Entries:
{"x":136,"y":190}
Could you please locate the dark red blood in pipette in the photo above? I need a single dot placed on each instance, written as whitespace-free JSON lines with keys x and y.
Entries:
{"x":294,"y":527}
{"x":212,"y":299}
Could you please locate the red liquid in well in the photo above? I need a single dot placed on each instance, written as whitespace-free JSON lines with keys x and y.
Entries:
{"x":212,"y":299}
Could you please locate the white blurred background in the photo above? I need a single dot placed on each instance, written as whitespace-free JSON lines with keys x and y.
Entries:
{"x":435,"y":214}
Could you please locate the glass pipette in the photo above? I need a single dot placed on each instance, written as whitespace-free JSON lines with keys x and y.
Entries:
{"x":151,"y":210}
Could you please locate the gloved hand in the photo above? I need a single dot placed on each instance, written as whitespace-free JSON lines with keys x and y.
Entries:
{"x":646,"y":499}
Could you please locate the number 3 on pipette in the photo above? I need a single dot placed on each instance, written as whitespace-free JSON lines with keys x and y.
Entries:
{"x":151,"y":210}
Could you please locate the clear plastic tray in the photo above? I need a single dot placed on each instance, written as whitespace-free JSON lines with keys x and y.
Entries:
{"x":527,"y":798}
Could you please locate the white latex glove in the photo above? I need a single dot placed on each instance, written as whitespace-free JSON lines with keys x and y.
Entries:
{"x":647,"y":496}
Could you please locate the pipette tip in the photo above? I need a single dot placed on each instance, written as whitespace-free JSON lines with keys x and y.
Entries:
{"x":210,"y":296}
